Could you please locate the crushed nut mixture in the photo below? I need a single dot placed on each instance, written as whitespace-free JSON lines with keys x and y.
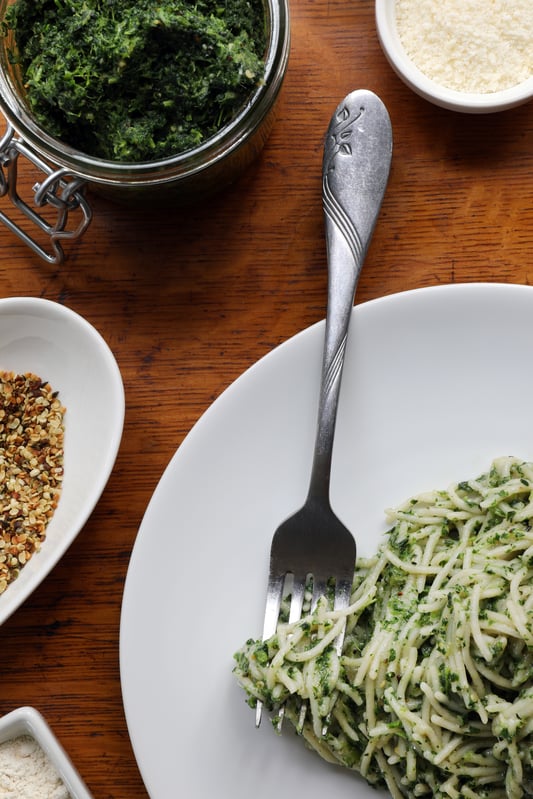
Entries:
{"x":31,"y":467}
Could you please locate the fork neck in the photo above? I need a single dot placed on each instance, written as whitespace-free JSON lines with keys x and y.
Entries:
{"x":337,"y":322}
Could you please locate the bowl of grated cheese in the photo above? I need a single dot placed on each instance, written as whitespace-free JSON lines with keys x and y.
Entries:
{"x":472,"y":57}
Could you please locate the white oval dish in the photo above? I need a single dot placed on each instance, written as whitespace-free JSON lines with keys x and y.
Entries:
{"x":28,"y":721}
{"x":58,"y":345}
{"x":412,"y":76}
{"x":424,"y":401}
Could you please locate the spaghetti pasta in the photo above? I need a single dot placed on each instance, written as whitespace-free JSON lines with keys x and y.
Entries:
{"x":433,"y":691}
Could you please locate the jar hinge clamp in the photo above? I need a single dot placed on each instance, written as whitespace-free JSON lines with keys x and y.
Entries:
{"x":60,"y":190}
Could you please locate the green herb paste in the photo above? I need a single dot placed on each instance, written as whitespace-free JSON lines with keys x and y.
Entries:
{"x":137,"y":80}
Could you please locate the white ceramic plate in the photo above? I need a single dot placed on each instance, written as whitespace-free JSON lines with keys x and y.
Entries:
{"x":61,"y":347}
{"x":437,"y":383}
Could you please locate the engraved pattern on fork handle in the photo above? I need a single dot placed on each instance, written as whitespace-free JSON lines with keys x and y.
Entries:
{"x":336,"y":218}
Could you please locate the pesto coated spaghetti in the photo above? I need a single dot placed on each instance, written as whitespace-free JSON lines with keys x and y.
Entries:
{"x":433,"y":692}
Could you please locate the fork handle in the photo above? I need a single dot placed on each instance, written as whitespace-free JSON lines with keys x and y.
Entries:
{"x":355,"y":171}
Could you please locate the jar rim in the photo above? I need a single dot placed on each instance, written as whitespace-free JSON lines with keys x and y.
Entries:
{"x":171,"y":168}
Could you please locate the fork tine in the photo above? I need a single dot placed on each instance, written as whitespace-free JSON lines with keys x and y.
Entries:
{"x":297,"y":598}
{"x":295,"y":613}
{"x":273,"y":604}
{"x":270,"y":623}
{"x":319,"y":589}
{"x":343,"y":594}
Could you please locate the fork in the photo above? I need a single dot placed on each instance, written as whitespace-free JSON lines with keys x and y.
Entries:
{"x":313,"y":543}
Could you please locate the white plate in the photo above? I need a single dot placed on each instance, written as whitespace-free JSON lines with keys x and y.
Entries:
{"x":61,"y":347}
{"x":437,"y":383}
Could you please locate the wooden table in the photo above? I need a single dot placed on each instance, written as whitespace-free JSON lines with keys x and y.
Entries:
{"x":187,"y":300}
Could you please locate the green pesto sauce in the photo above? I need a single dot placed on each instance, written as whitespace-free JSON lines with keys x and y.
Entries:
{"x":137,"y":80}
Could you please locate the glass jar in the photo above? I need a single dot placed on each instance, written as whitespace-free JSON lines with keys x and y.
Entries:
{"x":181,"y":179}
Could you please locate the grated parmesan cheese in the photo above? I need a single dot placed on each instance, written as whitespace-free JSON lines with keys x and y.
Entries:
{"x":469,"y":45}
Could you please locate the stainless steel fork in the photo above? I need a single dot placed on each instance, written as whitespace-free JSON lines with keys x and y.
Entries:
{"x":313,"y":543}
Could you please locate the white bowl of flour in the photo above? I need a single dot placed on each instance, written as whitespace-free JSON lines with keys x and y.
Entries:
{"x":33,"y":764}
{"x":464,"y":55}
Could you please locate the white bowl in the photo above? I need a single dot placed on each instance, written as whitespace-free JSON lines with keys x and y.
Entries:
{"x":28,"y":721}
{"x":58,"y":345}
{"x":427,"y":88}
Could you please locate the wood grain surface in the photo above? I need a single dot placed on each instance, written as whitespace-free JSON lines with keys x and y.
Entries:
{"x":188,"y":299}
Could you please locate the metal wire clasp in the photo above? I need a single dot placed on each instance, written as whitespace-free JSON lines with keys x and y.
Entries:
{"x":60,"y":190}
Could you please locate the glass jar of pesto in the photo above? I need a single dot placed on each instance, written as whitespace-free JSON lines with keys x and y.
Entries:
{"x":130,"y":163}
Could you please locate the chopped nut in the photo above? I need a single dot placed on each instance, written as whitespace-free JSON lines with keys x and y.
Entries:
{"x":31,"y":468}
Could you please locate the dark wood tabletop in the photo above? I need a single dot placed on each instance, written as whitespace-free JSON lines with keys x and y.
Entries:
{"x":188,"y":299}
